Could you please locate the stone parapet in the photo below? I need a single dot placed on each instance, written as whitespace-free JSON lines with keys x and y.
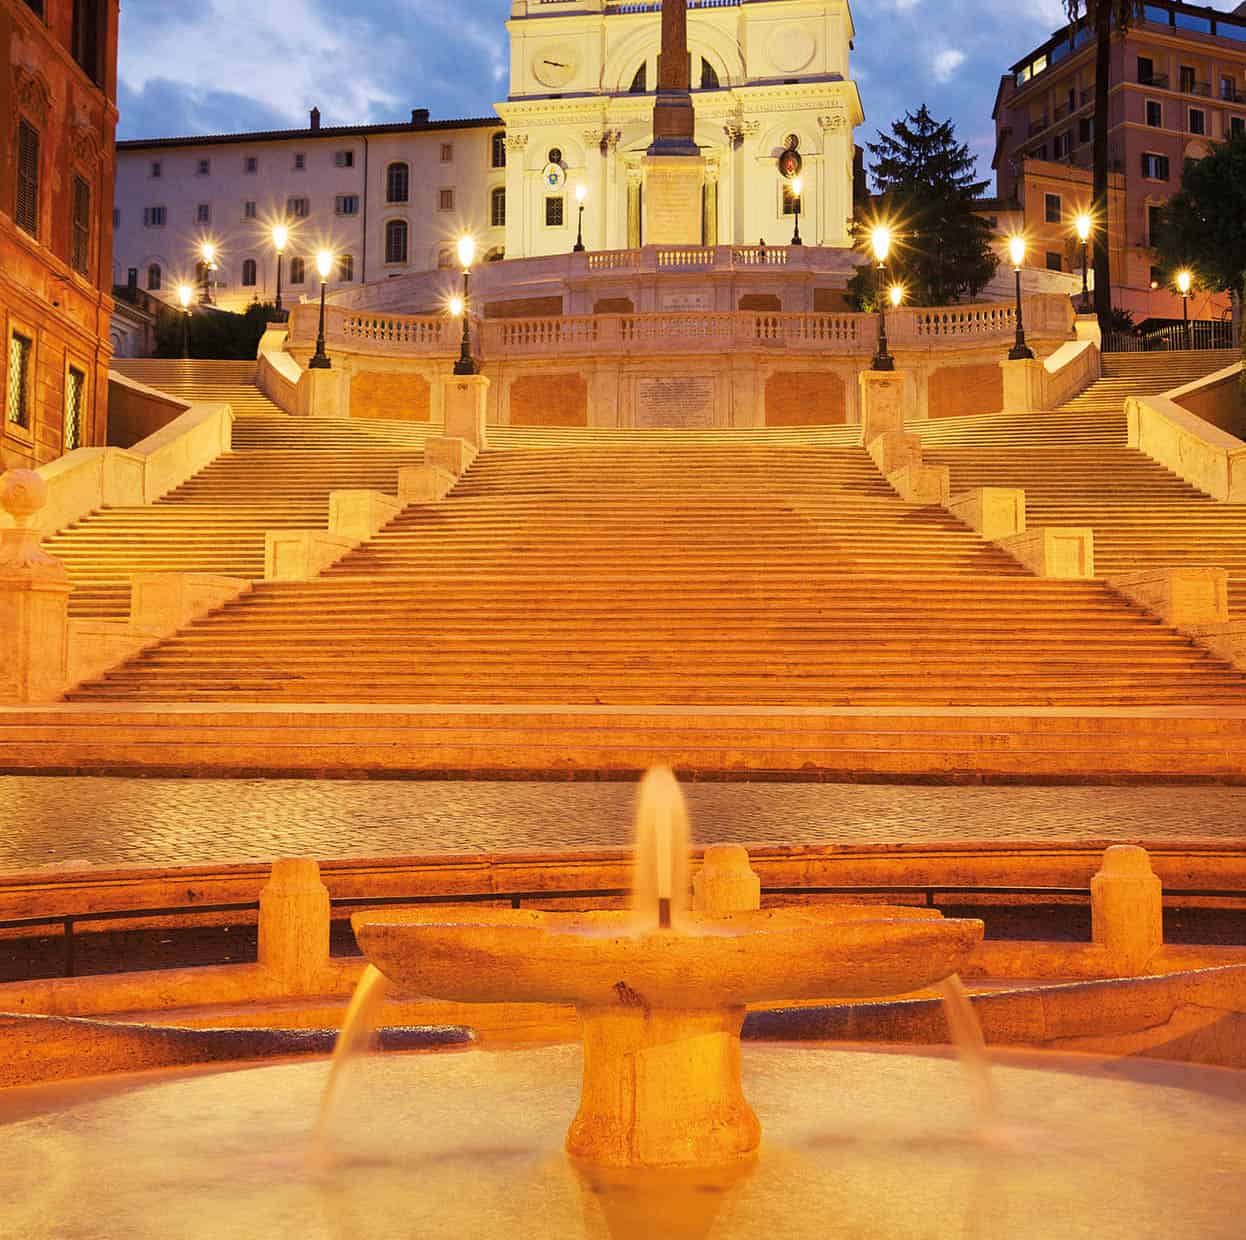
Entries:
{"x":359,"y":514}
{"x":1066,"y":552}
{"x":995,"y":512}
{"x":916,"y":483}
{"x":893,"y":450}
{"x":449,"y":453}
{"x":1182,"y":597}
{"x":1037,"y":384}
{"x":302,"y":555}
{"x":424,"y":484}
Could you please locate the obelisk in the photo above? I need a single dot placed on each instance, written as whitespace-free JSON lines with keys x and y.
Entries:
{"x":674,"y":169}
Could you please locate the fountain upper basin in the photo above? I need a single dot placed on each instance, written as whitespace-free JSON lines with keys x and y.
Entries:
{"x":706,"y":961}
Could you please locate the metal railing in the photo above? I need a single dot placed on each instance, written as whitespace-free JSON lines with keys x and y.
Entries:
{"x":924,"y":895}
{"x":1198,"y":334}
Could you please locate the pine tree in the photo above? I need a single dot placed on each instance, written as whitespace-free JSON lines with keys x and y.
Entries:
{"x":927,"y":187}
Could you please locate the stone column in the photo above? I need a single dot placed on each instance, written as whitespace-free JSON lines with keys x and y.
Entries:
{"x":294,"y":925}
{"x":1127,"y":909}
{"x":34,"y":600}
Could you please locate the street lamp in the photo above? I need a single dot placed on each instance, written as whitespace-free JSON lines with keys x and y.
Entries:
{"x":184,"y":295}
{"x":1084,"y":226}
{"x":207,"y":253}
{"x":281,"y":235}
{"x":466,"y":365}
{"x":896,"y":296}
{"x":1019,"y":351}
{"x":797,"y":186}
{"x":1184,"y":282}
{"x":880,"y":241}
{"x":581,"y":192}
{"x":324,"y":265}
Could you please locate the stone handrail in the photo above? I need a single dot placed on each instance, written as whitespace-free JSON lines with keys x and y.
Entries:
{"x":1205,"y":456}
{"x":277,"y":373}
{"x":1031,"y":385}
{"x":87,"y":479}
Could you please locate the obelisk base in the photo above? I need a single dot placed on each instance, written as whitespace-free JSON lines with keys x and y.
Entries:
{"x":673,"y":212}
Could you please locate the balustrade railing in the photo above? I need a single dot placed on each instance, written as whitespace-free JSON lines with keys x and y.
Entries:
{"x":613,"y":260}
{"x":760,"y":255}
{"x":676,"y":330}
{"x":670,"y":258}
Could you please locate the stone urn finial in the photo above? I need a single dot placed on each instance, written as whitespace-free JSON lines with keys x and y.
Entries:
{"x":23,"y":493}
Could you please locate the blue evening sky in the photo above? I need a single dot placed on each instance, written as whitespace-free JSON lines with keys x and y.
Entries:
{"x":224,"y":66}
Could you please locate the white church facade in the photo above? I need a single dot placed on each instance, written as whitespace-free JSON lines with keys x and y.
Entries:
{"x":767,"y":76}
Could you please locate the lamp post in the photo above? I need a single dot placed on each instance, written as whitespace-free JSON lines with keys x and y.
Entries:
{"x":1084,"y":226}
{"x":466,"y":365}
{"x":184,"y":295}
{"x":581,"y":192}
{"x":880,"y":240}
{"x":1020,"y":351}
{"x":324,"y":265}
{"x":207,"y":254}
{"x":797,"y":186}
{"x":281,"y":234}
{"x":1184,"y":282}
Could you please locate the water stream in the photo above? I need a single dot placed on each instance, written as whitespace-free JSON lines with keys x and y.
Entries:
{"x":970,"y":1046}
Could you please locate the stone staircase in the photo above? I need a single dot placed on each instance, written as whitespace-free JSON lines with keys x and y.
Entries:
{"x":1076,"y":470}
{"x":706,"y":572}
{"x":279,"y":475}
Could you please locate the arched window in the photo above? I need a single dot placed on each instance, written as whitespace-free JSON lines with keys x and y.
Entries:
{"x":346,"y":268}
{"x":497,"y":151}
{"x":497,"y":207}
{"x":445,"y":259}
{"x":297,"y":270}
{"x":396,"y":240}
{"x":154,"y":275}
{"x":248,"y":272}
{"x":709,"y":75}
{"x":397,"y":183}
{"x":640,"y":82}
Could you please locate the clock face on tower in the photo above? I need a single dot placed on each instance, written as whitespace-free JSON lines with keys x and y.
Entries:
{"x":554,"y":66}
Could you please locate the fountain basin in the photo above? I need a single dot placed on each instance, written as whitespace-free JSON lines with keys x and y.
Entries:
{"x":604,"y":960}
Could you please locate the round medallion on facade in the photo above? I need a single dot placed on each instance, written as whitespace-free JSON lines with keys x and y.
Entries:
{"x":553,"y":176}
{"x":791,"y":48}
{"x":554,"y":66}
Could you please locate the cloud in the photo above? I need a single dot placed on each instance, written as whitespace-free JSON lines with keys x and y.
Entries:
{"x":946,"y":63}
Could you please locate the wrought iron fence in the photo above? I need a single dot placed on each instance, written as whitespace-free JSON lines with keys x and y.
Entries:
{"x":1198,"y":334}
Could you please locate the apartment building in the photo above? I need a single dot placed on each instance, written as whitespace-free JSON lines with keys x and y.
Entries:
{"x":386,"y":199}
{"x":1177,"y":84}
{"x":57,"y":100}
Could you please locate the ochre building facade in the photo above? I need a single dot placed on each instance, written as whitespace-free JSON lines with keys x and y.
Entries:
{"x":58,"y":89}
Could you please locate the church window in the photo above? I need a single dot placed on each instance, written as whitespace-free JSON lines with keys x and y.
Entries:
{"x":497,"y":207}
{"x":553,"y":212}
{"x":709,"y":75}
{"x":154,"y":277}
{"x":497,"y":151}
{"x":248,"y":272}
{"x":396,"y":241}
{"x":640,"y":82}
{"x":397,"y":183}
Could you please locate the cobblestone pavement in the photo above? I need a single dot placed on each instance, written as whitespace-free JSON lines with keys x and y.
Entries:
{"x":48,"y":821}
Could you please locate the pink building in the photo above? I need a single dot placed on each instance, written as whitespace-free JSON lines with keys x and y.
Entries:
{"x":1178,"y":84}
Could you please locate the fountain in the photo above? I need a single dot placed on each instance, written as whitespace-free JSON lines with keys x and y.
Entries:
{"x":661,"y":989}
{"x":663,"y":1140}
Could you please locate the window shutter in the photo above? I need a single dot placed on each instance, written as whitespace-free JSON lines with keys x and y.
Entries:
{"x":28,"y":178}
{"x":80,"y":258}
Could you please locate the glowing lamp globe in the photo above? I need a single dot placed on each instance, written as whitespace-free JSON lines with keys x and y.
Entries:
{"x":1084,"y":225}
{"x":324,"y":263}
{"x":1016,"y":250}
{"x":880,"y":239}
{"x":184,"y":294}
{"x":281,"y":234}
{"x":1184,"y":282}
{"x":467,"y":252}
{"x":896,"y":294}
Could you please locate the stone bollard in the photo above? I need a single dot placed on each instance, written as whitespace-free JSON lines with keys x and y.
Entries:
{"x":726,"y":882}
{"x":34,"y":599}
{"x":1127,"y":909}
{"x":294,"y":924}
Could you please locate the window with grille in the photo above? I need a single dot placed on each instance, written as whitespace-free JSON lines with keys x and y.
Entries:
{"x":346,"y":268}
{"x":497,"y":151}
{"x":154,"y":275}
{"x":153,"y":217}
{"x":300,"y":162}
{"x":347,"y":204}
{"x":396,"y":241}
{"x":248,"y":272}
{"x":17,"y":396}
{"x":553,"y":213}
{"x":297,"y":208}
{"x":80,"y":239}
{"x":298,"y":270}
{"x":445,"y":200}
{"x":397,"y":183}
{"x":75,"y":402}
{"x":28,"y":178}
{"x":497,"y":208}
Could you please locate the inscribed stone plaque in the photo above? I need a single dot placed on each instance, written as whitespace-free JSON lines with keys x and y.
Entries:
{"x":673,"y":200}
{"x":685,"y":301}
{"x":675,"y":401}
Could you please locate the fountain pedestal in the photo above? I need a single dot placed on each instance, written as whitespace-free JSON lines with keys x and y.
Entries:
{"x":662,"y":1088}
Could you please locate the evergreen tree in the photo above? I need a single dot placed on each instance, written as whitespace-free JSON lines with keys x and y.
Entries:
{"x":927,"y":187}
{"x":1202,"y":226}
{"x":1104,"y":17}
